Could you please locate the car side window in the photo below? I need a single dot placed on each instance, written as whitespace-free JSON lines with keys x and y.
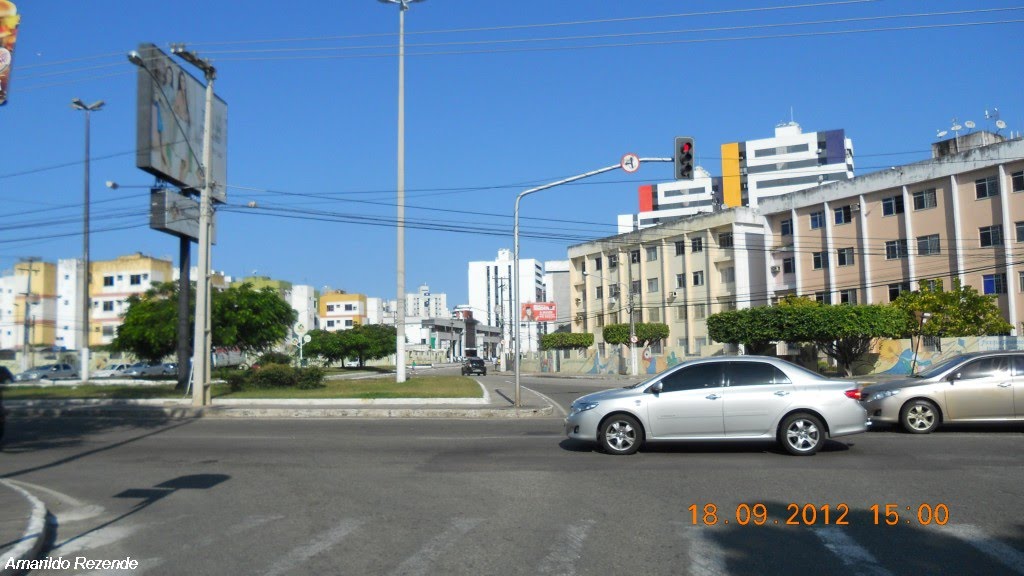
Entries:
{"x":1018,"y":366}
{"x":986,"y":368}
{"x":693,"y":378}
{"x":755,"y":373}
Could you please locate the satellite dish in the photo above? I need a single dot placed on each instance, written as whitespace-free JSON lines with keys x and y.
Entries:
{"x":956,"y":127}
{"x":942,"y":133}
{"x":969,"y":124}
{"x":1000,"y":124}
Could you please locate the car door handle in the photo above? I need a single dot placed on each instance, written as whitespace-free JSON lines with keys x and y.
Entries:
{"x":782,"y":393}
{"x":1005,"y":384}
{"x":712,"y":396}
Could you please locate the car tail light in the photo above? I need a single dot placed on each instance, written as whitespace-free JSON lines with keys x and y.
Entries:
{"x":855,"y":394}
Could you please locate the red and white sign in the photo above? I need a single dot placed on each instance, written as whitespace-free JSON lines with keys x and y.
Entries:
{"x":538,"y":312}
{"x":630,"y":163}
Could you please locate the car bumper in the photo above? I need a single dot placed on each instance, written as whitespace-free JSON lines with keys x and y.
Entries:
{"x":582,"y":425}
{"x":886,"y":410}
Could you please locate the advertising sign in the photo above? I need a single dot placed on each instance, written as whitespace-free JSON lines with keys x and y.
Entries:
{"x":177,"y":214}
{"x":8,"y":36}
{"x":538,"y":312}
{"x":170,"y":121}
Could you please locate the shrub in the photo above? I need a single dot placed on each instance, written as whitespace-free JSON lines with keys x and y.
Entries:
{"x":236,"y":379}
{"x":273,"y":376}
{"x":309,"y":378}
{"x":274,"y":358}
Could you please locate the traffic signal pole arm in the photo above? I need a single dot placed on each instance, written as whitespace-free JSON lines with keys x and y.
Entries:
{"x":515,"y":234}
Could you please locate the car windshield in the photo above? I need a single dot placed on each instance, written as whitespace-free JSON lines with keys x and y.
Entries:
{"x":941,"y":367}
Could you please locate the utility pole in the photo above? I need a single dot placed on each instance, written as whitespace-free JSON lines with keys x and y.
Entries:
{"x":632,"y":323}
{"x":201,"y":357}
{"x":77,"y":104}
{"x":26,"y":340}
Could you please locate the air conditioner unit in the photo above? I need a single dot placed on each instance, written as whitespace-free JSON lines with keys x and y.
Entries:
{"x":854,"y":207}
{"x":775,"y":269}
{"x":673,"y":294}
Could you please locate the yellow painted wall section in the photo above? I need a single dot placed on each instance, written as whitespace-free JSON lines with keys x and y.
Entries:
{"x":731,"y":194}
{"x":358,"y":316}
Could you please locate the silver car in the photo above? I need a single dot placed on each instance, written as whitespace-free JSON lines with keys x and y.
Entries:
{"x":722,"y":398}
{"x":48,"y":372}
{"x":977,"y":387}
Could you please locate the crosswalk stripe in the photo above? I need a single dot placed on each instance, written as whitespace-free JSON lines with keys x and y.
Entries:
{"x":567,"y":550}
{"x":299,"y":555}
{"x":1008,"y":556}
{"x":419,"y":563}
{"x":707,"y":558}
{"x":854,"y":556}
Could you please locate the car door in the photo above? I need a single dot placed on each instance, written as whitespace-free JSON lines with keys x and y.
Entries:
{"x":689,"y":404}
{"x":981,"y":389}
{"x":1018,"y":385}
{"x":756,"y":396}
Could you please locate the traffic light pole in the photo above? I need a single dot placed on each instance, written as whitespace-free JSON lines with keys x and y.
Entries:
{"x":515,"y":268}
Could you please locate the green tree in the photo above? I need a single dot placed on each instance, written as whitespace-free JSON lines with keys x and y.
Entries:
{"x":645,"y":332}
{"x":755,"y":328}
{"x":325,"y":345}
{"x":150,"y":327}
{"x":566,"y":340}
{"x":961,"y":311}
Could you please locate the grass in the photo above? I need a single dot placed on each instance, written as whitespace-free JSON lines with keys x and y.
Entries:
{"x":385,"y":387}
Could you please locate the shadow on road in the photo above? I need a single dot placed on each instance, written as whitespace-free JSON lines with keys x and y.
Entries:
{"x":704,"y":447}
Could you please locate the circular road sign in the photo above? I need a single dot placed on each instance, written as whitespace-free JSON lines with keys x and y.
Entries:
{"x":633,"y":339}
{"x":630,"y":163}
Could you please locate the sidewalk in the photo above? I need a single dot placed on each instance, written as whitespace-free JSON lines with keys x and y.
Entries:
{"x":23,"y":526}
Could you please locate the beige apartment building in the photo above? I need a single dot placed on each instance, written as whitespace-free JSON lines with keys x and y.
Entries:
{"x":864,"y":240}
{"x":341,"y":311}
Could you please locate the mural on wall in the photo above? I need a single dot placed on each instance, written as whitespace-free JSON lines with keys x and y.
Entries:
{"x":896,"y":357}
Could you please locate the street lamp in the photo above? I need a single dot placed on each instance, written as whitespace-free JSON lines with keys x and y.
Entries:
{"x":77,"y":104}
{"x":403,"y":5}
{"x":922,"y":317}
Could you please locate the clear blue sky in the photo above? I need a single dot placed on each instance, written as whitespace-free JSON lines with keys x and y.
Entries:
{"x":500,"y":97}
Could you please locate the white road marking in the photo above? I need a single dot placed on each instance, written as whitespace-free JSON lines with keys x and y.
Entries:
{"x":707,"y":558}
{"x":145,"y":565}
{"x":1007,"y":555}
{"x":420,"y":563}
{"x":76,"y":509}
{"x":854,"y":557}
{"x":549,"y":401}
{"x":567,"y":550}
{"x":299,"y":555}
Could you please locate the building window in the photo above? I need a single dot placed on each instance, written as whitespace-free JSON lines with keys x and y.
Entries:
{"x":350,"y":307}
{"x":924,"y":199}
{"x":1020,"y":280}
{"x":700,"y":311}
{"x":1017,"y":181}
{"x":789,"y":265}
{"x":652,"y":254}
{"x":135,"y":279}
{"x":680,"y":280}
{"x":823,"y":297}
{"x":725,"y":240}
{"x":994,"y":283}
{"x":932,"y":284}
{"x":787,"y":227}
{"x":820,"y":260}
{"x":330,"y":323}
{"x":991,"y":235}
{"x":928,"y":245}
{"x":108,"y":280}
{"x":599,"y":292}
{"x":896,"y":289}
{"x":597,"y":263}
{"x":848,"y":296}
{"x":634,"y":257}
{"x":330,"y":307}
{"x":817,"y":220}
{"x":654,"y":315}
{"x":681,"y":310}
{"x":108,"y":306}
{"x":892,"y":205}
{"x":895,"y":249}
{"x":986,"y":187}
{"x":680,"y":248}
{"x":613,"y":291}
{"x":844,"y":257}
{"x":652,"y":284}
{"x":108,"y":331}
{"x":613,"y":260}
{"x":1020,"y":231}
{"x":600,"y":321}
{"x":698,"y":278}
{"x":348,"y":323}
{"x":697,"y":245}
{"x":634,"y":287}
{"x":728,"y":275}
{"x":844,"y":215}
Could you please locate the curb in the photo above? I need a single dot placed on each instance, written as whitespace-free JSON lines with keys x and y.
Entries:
{"x":253,"y":411}
{"x":36,"y":534}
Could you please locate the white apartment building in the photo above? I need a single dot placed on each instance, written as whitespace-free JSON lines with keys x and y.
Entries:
{"x":668,"y":201}
{"x":303,"y":299}
{"x":69,"y":307}
{"x":426,"y":304}
{"x":558,"y":289}
{"x":492,"y":296}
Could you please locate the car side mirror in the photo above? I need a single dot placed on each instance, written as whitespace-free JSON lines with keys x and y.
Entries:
{"x":954,"y":377}
{"x":654,"y":388}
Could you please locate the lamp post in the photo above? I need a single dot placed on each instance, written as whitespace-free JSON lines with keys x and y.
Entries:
{"x":922,"y":317}
{"x":403,"y":5}
{"x":77,"y":104}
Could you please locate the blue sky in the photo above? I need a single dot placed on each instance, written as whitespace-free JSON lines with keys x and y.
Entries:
{"x":500,"y":97}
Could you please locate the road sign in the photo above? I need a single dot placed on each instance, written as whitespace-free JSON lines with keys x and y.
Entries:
{"x":633,"y":339}
{"x":630,"y":163}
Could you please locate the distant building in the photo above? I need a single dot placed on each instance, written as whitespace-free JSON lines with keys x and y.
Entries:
{"x":558,"y":289}
{"x":492,"y":296}
{"x":341,"y":311}
{"x":112,"y":282}
{"x":32,"y":284}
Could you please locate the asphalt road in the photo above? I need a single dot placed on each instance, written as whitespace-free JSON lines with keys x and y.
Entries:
{"x":424,"y":497}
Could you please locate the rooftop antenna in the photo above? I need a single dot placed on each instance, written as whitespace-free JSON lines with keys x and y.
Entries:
{"x":994,"y":115}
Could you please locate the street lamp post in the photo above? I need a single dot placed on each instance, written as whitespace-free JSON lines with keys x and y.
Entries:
{"x":922,"y":317}
{"x":77,"y":104}
{"x":403,"y":5}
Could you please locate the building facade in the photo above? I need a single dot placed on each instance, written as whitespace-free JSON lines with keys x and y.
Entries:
{"x":341,"y":311}
{"x":112,"y":282}
{"x":492,"y":296}
{"x":28,"y":305}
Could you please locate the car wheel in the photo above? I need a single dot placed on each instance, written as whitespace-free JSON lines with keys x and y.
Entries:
{"x":620,"y":434}
{"x":802,"y":434}
{"x":919,"y":417}
{"x":484,"y":373}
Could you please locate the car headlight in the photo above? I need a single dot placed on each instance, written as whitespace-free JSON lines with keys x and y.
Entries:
{"x":884,"y":394}
{"x":578,"y":407}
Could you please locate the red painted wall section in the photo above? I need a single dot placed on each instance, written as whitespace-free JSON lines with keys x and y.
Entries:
{"x":646,"y":198}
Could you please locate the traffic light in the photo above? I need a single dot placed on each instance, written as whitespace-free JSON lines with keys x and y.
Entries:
{"x":684,"y":158}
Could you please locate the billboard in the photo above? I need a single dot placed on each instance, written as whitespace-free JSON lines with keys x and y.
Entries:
{"x":538,"y":312}
{"x":8,"y":36}
{"x":170,"y":121}
{"x":177,"y":214}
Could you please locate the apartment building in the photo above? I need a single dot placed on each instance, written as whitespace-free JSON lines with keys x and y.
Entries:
{"x":28,"y":305}
{"x":112,"y":282}
{"x":492,"y":296}
{"x":864,"y":240}
{"x":339,"y":310}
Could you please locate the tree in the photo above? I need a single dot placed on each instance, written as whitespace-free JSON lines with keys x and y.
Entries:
{"x":566,"y":340}
{"x":961,"y":311}
{"x":363,"y":342}
{"x":253,"y":320}
{"x":755,"y":328}
{"x":326,"y":345}
{"x":645,"y":332}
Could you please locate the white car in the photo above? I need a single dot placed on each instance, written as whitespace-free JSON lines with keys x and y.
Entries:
{"x":722,"y":398}
{"x":111,"y":370}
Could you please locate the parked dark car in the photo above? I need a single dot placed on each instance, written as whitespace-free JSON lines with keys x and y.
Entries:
{"x":5,"y":375}
{"x":474,"y":366}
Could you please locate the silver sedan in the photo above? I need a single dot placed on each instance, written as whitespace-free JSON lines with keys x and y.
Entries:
{"x":977,"y":387}
{"x":722,"y":398}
